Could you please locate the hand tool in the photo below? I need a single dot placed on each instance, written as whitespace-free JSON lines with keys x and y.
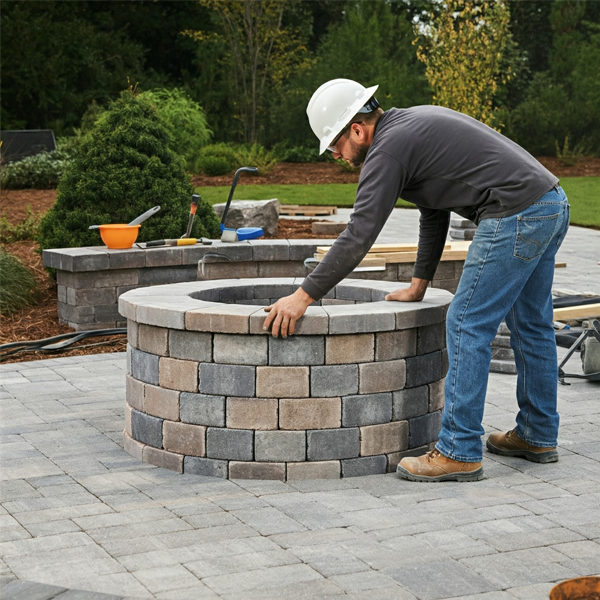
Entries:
{"x":137,"y":220}
{"x":178,"y":242}
{"x":193,"y":207}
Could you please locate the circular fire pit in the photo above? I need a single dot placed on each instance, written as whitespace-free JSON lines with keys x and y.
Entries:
{"x":209,"y":391}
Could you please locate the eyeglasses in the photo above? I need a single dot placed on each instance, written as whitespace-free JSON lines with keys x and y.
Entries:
{"x":332,"y":148}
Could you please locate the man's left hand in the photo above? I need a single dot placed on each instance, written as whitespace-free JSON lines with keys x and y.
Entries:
{"x":285,"y":312}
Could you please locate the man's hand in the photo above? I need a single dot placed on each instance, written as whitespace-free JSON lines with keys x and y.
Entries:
{"x":285,"y":312}
{"x":414,"y":293}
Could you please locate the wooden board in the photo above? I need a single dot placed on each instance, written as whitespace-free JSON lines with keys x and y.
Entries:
{"x":294,"y":210}
{"x":560,"y":265}
{"x":407,"y":257}
{"x":576,"y":312}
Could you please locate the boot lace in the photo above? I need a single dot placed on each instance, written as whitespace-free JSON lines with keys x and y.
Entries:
{"x":432,"y":454}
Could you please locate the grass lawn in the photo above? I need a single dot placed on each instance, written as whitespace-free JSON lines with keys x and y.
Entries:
{"x":583,"y":193}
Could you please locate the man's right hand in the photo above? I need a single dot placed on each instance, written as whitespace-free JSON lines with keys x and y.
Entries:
{"x":285,"y":312}
{"x":414,"y":293}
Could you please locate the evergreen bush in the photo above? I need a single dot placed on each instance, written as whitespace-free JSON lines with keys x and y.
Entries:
{"x":41,"y":171}
{"x":216,"y":159}
{"x":123,"y":168}
{"x":18,"y":286}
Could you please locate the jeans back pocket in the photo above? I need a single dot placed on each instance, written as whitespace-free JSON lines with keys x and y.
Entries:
{"x":534,"y":235}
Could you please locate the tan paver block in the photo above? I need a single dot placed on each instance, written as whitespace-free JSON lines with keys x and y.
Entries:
{"x":225,"y":318}
{"x":387,"y":376}
{"x":256,"y":470}
{"x":282,"y":382}
{"x":163,"y":403}
{"x":132,"y":331}
{"x":162,"y":458}
{"x":178,"y":374}
{"x":391,"y":345}
{"x":132,"y":446}
{"x":383,"y":439}
{"x":128,"y":419}
{"x":310,"y":413}
{"x":153,"y":339}
{"x":327,"y":469}
{"x":252,"y":413}
{"x":184,"y":439}
{"x":134,"y":392}
{"x":436,"y":395}
{"x":343,"y":349}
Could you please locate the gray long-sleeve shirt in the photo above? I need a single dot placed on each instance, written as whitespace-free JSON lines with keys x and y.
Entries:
{"x":442,"y":161}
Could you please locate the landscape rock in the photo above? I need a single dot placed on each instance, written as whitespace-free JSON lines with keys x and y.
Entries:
{"x":251,"y":213}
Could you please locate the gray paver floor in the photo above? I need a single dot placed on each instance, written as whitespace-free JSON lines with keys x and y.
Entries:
{"x":78,"y":513}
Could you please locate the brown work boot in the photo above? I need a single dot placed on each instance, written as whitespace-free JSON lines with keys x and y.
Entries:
{"x":510,"y":444}
{"x":434,"y":467}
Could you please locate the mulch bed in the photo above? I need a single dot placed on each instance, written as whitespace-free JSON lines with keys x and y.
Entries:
{"x":41,"y":320}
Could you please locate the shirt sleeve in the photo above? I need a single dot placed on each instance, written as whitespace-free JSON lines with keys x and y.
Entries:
{"x":381,"y":180}
{"x":433,"y":229}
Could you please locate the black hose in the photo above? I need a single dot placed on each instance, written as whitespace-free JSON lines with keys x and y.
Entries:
{"x":56,"y":343}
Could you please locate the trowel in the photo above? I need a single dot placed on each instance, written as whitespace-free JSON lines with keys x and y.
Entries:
{"x":243,"y":233}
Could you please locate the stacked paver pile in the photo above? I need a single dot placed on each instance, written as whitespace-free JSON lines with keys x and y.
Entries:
{"x":210,"y":392}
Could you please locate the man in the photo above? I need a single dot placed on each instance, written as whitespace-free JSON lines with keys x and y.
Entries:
{"x":445,"y":161}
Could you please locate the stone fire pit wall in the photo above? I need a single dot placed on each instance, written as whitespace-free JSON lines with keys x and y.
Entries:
{"x":210,"y":392}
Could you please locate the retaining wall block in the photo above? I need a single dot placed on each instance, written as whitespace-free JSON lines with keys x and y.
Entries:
{"x":283,"y":268}
{"x":236,"y":293}
{"x":391,"y":345}
{"x":226,"y":318}
{"x":384,"y":376}
{"x":436,"y":395}
{"x":103,"y":279}
{"x":282,"y":382}
{"x":184,"y":439}
{"x":162,"y":275}
{"x":365,"y":465}
{"x":144,"y":366}
{"x":450,"y":285}
{"x":126,"y":309}
{"x":366,"y":409}
{"x":190,"y":345}
{"x":83,"y":259}
{"x":275,"y":288}
{"x":106,"y":313}
{"x":178,"y":374}
{"x":200,"y":409}
{"x":208,"y":467}
{"x":146,"y":429}
{"x":128,"y":411}
{"x":431,"y":338}
{"x":270,"y":250}
{"x":134,"y":392}
{"x":77,"y":314}
{"x":252,"y":413}
{"x":161,"y":403}
{"x":331,"y":444}
{"x":310,"y":413}
{"x":132,"y":333}
{"x":280,"y":446}
{"x":165,"y":257}
{"x":350,"y":291}
{"x":126,"y":259}
{"x":423,"y":369}
{"x":407,"y":317}
{"x":240,"y":349}
{"x":261,"y":470}
{"x":229,"y":444}
{"x":153,"y":339}
{"x":314,"y":322}
{"x":328,"y":381}
{"x":227,"y":270}
{"x":425,"y":429}
{"x":384,"y":439}
{"x":409,"y":403}
{"x":300,"y":250}
{"x":167,"y":312}
{"x":296,"y":350}
{"x":227,"y":380}
{"x":445,"y":270}
{"x":354,"y":319}
{"x":163,"y":459}
{"x":344,"y":349}
{"x":91,"y":296}
{"x":132,"y":446}
{"x":395,"y":457}
{"x":61,"y":292}
{"x":329,"y":469}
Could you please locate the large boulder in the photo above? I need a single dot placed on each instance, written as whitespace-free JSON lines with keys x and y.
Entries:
{"x":251,"y":213}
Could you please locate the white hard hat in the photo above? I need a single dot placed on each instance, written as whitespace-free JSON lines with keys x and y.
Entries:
{"x":334,"y":105}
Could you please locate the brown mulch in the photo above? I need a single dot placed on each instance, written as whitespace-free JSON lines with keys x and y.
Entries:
{"x":41,"y":320}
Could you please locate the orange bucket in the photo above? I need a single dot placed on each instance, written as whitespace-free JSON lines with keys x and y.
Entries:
{"x":580,"y":588}
{"x":119,"y":236}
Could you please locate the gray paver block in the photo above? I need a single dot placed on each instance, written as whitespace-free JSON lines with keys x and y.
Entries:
{"x":190,"y":345}
{"x":208,"y":467}
{"x":333,"y":380}
{"x":230,"y":444}
{"x":164,"y":275}
{"x":280,"y":446}
{"x":390,"y":345}
{"x":436,"y":395}
{"x":411,"y":402}
{"x":202,"y":409}
{"x":366,"y":409}
{"x":331,"y":444}
{"x":423,"y":369}
{"x":240,"y":349}
{"x":296,"y":350}
{"x":329,"y":469}
{"x":425,"y":429}
{"x":365,"y":465}
{"x":146,"y":429}
{"x":227,"y":380}
{"x":144,"y":366}
{"x":257,"y":470}
{"x":431,"y":338}
{"x":270,"y":250}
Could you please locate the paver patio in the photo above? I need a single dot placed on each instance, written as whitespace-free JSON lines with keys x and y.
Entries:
{"x":82,"y":519}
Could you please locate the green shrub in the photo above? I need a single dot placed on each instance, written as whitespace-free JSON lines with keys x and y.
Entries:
{"x":216,"y":159}
{"x":18,"y":287}
{"x":296,"y":154}
{"x":255,"y":155}
{"x":27,"y":229}
{"x":567,"y":156}
{"x":214,"y":166}
{"x":124,"y":168}
{"x":185,"y":121}
{"x":41,"y":171}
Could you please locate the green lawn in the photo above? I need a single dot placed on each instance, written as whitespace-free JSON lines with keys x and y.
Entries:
{"x":583,"y":193}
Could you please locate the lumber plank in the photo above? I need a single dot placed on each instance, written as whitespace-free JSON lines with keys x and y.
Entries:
{"x":391,"y":248}
{"x":560,"y":265}
{"x":299,"y":210}
{"x":576,"y":312}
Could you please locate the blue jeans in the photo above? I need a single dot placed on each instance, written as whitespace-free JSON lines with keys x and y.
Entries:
{"x":508,"y":274}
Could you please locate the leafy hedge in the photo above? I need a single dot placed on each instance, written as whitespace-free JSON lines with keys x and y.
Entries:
{"x":40,"y":172}
{"x":18,"y":287}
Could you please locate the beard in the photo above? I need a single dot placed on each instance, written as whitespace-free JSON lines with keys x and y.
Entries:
{"x":359,"y":152}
